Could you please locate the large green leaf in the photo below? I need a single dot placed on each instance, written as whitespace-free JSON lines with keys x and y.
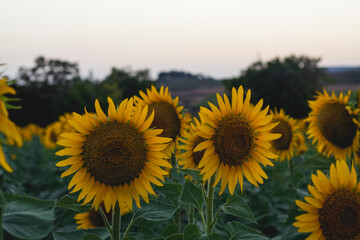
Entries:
{"x":91,"y":234}
{"x":129,"y":238}
{"x":176,"y":236}
{"x":235,"y":205}
{"x":171,"y":191}
{"x":192,"y":195}
{"x":211,"y":236}
{"x":69,"y":202}
{"x":27,"y":217}
{"x":157,"y":211}
{"x":192,"y":232}
{"x":239,"y":231}
{"x":170,"y":230}
{"x":194,"y":174}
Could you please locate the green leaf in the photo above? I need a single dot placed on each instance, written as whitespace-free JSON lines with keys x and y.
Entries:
{"x":129,"y":238}
{"x":171,"y":190}
{"x":239,"y":231}
{"x":235,"y":205}
{"x":2,"y":199}
{"x":27,"y":217}
{"x":211,"y":236}
{"x":91,"y":237}
{"x":157,"y":211}
{"x":192,"y":195}
{"x":170,"y":230}
{"x":69,"y":202}
{"x":192,"y":232}
{"x":177,"y":236}
{"x":194,"y":174}
{"x":91,"y":234}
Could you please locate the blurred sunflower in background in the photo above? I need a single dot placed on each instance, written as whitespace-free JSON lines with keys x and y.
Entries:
{"x":7,"y":127}
{"x":237,"y":138}
{"x":115,"y":158}
{"x":188,"y":158}
{"x":168,"y":114}
{"x":93,"y":218}
{"x":333,"y":210}
{"x":333,"y":126}
{"x":30,"y":130}
{"x":286,"y":145}
{"x":52,"y":134}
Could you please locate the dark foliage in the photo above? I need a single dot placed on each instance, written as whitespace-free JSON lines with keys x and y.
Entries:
{"x":287,"y":83}
{"x":54,"y":87}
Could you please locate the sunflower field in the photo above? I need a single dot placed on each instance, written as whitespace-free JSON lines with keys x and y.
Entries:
{"x":145,"y":168}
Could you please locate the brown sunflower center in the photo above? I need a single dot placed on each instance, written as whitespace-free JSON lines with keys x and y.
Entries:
{"x":115,"y":153}
{"x":197,"y":156}
{"x":336,"y":125}
{"x":53,"y":136}
{"x":96,"y":219}
{"x":233,"y":140}
{"x":285,"y":129}
{"x":165,"y":118}
{"x":340,"y":216}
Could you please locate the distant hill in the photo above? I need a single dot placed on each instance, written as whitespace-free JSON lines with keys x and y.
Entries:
{"x":192,"y":89}
{"x":344,"y":75}
{"x":180,"y":81}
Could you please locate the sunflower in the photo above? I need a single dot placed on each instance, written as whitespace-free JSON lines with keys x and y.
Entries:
{"x":284,"y":146}
{"x":333,"y":210}
{"x":168,"y":114}
{"x":93,"y":218}
{"x":188,"y":158}
{"x":7,"y":127}
{"x":114,"y":157}
{"x":332,"y":125}
{"x":301,"y":146}
{"x":30,"y":130}
{"x":52,"y":134}
{"x":237,"y":139}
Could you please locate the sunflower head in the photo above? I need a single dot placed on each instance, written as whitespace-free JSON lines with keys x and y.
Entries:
{"x":52,"y":134}
{"x":332,"y":125}
{"x":7,"y":127}
{"x":333,"y":209}
{"x":168,"y":114}
{"x":93,"y":218}
{"x":188,"y":158}
{"x":30,"y":130}
{"x":114,"y":157}
{"x":287,"y":127}
{"x":237,"y":138}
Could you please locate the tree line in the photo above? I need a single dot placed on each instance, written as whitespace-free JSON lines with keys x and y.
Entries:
{"x":53,"y":87}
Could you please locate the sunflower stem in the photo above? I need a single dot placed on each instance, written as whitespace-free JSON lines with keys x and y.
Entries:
{"x":209,"y":205}
{"x":2,"y":204}
{"x":215,"y":218}
{"x":191,"y":214}
{"x":201,"y":211}
{"x":291,"y":166}
{"x":129,"y":226}
{"x":107,"y":224}
{"x":116,"y":223}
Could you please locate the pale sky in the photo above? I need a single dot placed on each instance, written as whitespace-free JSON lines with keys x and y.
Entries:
{"x":216,"y":38}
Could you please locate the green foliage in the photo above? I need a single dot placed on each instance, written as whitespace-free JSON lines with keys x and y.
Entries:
{"x":70,"y":202}
{"x":287,"y":83}
{"x":239,"y":231}
{"x":157,"y":211}
{"x":236,"y":205}
{"x":53,"y":87}
{"x":91,"y":234}
{"x":26,"y":217}
{"x":192,"y":195}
